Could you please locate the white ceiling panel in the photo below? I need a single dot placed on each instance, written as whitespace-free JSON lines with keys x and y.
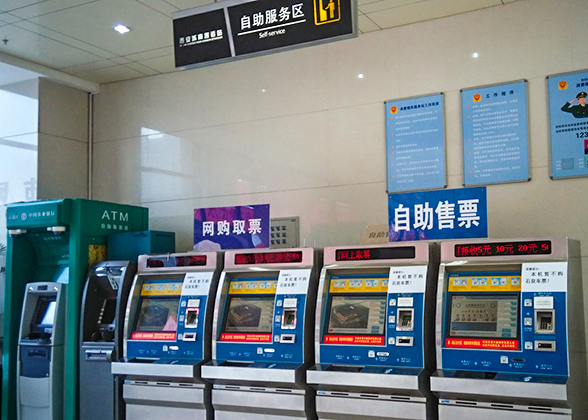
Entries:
{"x":9,"y":18}
{"x":64,"y":39}
{"x":96,"y":65}
{"x":10,"y":74}
{"x":188,"y":4}
{"x":17,"y":4}
{"x":161,"y":6}
{"x":386,"y":4}
{"x":110,"y":74}
{"x":30,"y":46}
{"x":142,"y":68}
{"x":365,"y":24}
{"x":93,"y":22}
{"x":47,"y":6}
{"x":156,"y":53}
{"x":162,"y":64}
{"x":431,"y":9}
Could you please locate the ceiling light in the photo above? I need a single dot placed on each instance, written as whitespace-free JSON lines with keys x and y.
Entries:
{"x":475,"y":55}
{"x":121,"y":29}
{"x":263,"y":90}
{"x":360,"y":76}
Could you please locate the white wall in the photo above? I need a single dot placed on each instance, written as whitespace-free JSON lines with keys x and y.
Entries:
{"x":313,"y":144}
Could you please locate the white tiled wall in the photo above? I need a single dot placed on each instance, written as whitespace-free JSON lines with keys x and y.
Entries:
{"x":300,"y":131}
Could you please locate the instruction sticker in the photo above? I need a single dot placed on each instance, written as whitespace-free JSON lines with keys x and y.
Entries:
{"x":545,"y":277}
{"x":411,"y":279}
{"x":197,"y":284}
{"x":293,"y":282}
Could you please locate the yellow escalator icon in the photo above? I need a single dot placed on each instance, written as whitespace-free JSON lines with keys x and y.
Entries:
{"x":326,"y":11}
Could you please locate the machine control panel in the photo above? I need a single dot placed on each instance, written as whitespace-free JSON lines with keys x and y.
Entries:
{"x":514,"y":320}
{"x":374,"y":319}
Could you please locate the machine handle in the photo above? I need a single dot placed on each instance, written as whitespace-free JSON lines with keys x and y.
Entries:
{"x":99,"y":355}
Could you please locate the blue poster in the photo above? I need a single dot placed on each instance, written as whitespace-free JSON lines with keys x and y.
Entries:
{"x":442,"y":214}
{"x":231,"y":227}
{"x":495,"y":134}
{"x":568,"y":123}
{"x":415,"y":144}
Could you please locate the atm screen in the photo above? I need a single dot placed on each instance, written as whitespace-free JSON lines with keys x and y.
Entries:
{"x":357,"y":315}
{"x":484,"y":316}
{"x":158,"y":314}
{"x":250,"y":314}
{"x":49,"y":315}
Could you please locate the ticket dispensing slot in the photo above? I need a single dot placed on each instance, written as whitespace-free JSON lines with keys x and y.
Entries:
{"x":263,"y":334}
{"x":167,"y":336}
{"x":376,"y":312}
{"x":499,"y":345}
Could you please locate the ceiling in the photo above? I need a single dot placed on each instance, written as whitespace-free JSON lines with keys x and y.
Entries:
{"x":76,"y":36}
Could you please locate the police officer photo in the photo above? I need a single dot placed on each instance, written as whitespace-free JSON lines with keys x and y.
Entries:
{"x":580,"y":110}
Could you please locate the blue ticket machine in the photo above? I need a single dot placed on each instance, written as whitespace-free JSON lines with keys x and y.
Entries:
{"x":510,"y":331}
{"x":375,"y":332}
{"x":262,"y":335}
{"x":167,"y":330}
{"x":40,"y":352}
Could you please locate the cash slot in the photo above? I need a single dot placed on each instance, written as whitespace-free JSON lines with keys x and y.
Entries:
{"x":189,"y":336}
{"x":289,"y":319}
{"x":192,"y":318}
{"x":404,"y":321}
{"x":544,"y":345}
{"x":404,"y":341}
{"x":544,"y":322}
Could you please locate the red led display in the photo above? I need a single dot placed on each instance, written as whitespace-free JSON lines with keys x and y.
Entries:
{"x":503,"y":248}
{"x":187,"y":261}
{"x":398,"y":253}
{"x":268,"y":258}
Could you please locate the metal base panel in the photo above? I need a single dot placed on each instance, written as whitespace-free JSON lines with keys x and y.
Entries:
{"x":455,"y":412}
{"x":337,"y":408}
{"x":170,"y":402}
{"x":251,"y":405}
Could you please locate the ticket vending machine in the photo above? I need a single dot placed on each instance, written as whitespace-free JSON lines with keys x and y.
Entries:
{"x":375,"y":332}
{"x":510,"y":332}
{"x":40,"y":352}
{"x":168,"y":323}
{"x":101,"y":336}
{"x":262,"y":335}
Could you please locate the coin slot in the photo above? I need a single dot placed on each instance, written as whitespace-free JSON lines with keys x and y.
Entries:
{"x":544,"y":322}
{"x":404,"y":321}
{"x":289,"y":319}
{"x":192,"y":318}
{"x":544,"y":345}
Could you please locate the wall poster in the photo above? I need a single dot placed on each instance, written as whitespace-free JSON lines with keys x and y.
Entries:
{"x":415,"y":144}
{"x":568,"y":124}
{"x":495,"y":134}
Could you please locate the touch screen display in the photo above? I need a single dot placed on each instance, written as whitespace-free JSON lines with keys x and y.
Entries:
{"x":484,"y":316}
{"x":158,"y":314}
{"x":49,"y":316}
{"x":250,"y":314}
{"x":357,"y":315}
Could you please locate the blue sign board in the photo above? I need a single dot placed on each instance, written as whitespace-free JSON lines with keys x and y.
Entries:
{"x":442,"y":214}
{"x":231,"y":227}
{"x":495,"y":134}
{"x":415,"y":144}
{"x":568,"y":121}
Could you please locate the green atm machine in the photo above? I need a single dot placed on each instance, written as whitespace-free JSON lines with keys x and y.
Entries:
{"x":55,"y":241}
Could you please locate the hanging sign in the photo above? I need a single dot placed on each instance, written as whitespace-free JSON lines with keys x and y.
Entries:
{"x":235,"y":28}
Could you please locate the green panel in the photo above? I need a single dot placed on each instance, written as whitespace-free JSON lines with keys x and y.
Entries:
{"x":39,"y":254}
{"x":38,"y":214}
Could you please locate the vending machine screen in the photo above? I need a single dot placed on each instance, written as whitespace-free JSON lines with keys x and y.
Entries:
{"x":250,"y":314}
{"x":158,"y":314}
{"x":484,"y":316}
{"x":357,"y":315}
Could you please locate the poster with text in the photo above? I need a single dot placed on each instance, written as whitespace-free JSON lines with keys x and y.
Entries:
{"x":568,"y":124}
{"x":495,"y":134}
{"x":415,"y":144}
{"x":236,"y":227}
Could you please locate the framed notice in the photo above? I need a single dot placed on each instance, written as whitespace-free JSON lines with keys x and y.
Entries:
{"x":568,"y":124}
{"x":495,"y":134}
{"x":415,"y":144}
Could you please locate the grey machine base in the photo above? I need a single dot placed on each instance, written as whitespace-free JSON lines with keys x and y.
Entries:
{"x":345,"y":408}
{"x":150,"y":401}
{"x":257,"y":405}
{"x":455,"y":412}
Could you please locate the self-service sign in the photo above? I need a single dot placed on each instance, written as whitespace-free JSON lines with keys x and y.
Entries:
{"x":441,"y":214}
{"x":236,"y":28}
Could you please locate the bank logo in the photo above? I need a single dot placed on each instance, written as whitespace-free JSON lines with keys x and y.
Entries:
{"x":326,"y":11}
